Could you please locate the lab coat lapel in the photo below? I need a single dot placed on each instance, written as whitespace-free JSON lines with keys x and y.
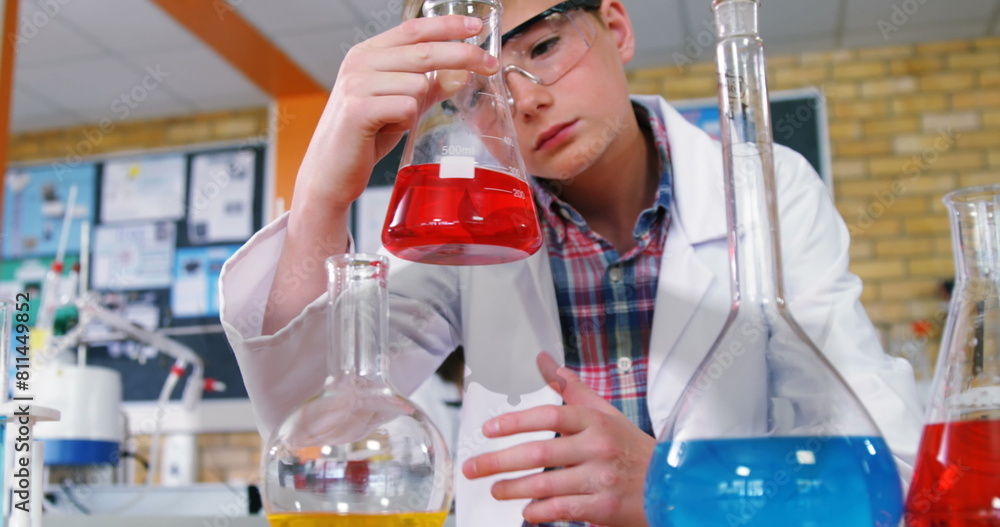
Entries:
{"x":692,"y":299}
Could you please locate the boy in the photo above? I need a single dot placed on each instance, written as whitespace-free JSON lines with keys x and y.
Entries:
{"x":631,"y":204}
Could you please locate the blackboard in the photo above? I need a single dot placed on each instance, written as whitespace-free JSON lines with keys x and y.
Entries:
{"x":798,"y":121}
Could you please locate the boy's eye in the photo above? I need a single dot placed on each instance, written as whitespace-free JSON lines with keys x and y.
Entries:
{"x":545,"y":47}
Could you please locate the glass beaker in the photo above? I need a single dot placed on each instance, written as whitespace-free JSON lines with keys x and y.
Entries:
{"x":767,"y":432}
{"x":956,"y":481}
{"x":461,"y":195}
{"x":358,"y":453}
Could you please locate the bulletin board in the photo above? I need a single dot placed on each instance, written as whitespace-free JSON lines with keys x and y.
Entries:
{"x":161,"y":226}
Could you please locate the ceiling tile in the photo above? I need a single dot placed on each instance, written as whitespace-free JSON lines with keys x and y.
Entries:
{"x":199,"y":74}
{"x":378,"y":15}
{"x":911,"y":33}
{"x":127,"y":27}
{"x":24,"y":103}
{"x":44,"y":39}
{"x":319,"y":52}
{"x":97,"y":89}
{"x":779,"y":19}
{"x":870,"y":14}
{"x":276,"y":18}
{"x":659,"y":24}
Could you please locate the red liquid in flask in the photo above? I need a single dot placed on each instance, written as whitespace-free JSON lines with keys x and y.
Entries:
{"x":486,"y":219}
{"x":957,"y":482}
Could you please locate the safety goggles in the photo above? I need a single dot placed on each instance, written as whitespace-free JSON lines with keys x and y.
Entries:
{"x":549,"y":44}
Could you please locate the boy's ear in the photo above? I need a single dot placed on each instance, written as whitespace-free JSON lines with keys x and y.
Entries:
{"x":620,"y":28}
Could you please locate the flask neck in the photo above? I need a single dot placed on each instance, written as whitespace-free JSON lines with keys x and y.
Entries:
{"x":975,"y":227}
{"x":748,"y":159}
{"x":735,"y":18}
{"x":358,"y":316}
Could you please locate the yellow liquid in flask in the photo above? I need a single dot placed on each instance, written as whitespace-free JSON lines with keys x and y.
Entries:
{"x":332,"y":519}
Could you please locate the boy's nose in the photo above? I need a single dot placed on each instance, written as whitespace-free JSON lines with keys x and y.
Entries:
{"x":528,"y":96}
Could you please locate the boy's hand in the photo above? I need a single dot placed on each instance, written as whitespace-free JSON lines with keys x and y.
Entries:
{"x":602,"y":454}
{"x":376,"y":98}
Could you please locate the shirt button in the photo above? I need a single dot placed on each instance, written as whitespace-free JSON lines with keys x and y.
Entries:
{"x":615,"y":274}
{"x":624,"y":364}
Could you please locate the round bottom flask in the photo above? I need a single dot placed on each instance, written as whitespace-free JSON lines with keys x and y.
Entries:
{"x":358,"y":454}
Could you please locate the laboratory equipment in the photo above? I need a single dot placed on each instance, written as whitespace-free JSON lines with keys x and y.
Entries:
{"x":358,"y":453}
{"x":956,"y":481}
{"x":461,"y":195}
{"x":6,"y":336}
{"x":51,"y":287}
{"x":89,"y":435}
{"x":766,"y":432}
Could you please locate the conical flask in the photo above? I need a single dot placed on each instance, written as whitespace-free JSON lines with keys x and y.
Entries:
{"x":358,"y":454}
{"x":766,"y":433}
{"x":461,"y":196}
{"x":957,"y":477}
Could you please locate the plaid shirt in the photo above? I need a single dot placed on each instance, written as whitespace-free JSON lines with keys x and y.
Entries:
{"x":606,"y":299}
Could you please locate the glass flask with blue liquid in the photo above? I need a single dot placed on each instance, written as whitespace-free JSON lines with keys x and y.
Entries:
{"x":767,"y":432}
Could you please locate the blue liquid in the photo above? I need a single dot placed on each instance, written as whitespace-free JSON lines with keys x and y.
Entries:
{"x":776,"y":481}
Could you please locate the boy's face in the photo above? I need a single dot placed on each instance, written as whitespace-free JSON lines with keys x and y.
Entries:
{"x":566,"y":126}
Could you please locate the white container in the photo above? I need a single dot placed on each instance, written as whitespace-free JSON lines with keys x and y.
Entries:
{"x":89,"y":398}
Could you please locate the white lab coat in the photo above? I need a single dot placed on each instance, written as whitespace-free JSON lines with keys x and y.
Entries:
{"x":505,"y":314}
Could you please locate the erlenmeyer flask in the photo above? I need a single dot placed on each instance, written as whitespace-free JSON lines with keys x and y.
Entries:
{"x":461,"y":196}
{"x":767,"y":432}
{"x":957,"y":477}
{"x":358,"y":454}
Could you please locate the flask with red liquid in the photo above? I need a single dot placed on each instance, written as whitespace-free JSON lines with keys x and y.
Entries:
{"x":461,"y":196}
{"x":956,"y":482}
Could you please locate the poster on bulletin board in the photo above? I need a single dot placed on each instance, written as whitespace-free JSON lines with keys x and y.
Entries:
{"x":35,"y":202}
{"x":133,"y":256}
{"x":195,"y":291}
{"x":148,"y":188}
{"x":221,"y":197}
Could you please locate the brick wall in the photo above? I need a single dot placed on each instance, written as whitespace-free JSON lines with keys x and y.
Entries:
{"x":907,"y":124}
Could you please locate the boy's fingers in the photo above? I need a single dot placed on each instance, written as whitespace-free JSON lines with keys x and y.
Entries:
{"x":430,"y":56}
{"x":438,"y":28}
{"x":548,"y":368}
{"x":564,"y":420}
{"x":572,"y":389}
{"x":556,"y":452}
{"x":543,"y":485}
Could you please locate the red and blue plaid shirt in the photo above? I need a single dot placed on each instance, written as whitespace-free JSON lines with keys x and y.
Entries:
{"x":606,"y":299}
